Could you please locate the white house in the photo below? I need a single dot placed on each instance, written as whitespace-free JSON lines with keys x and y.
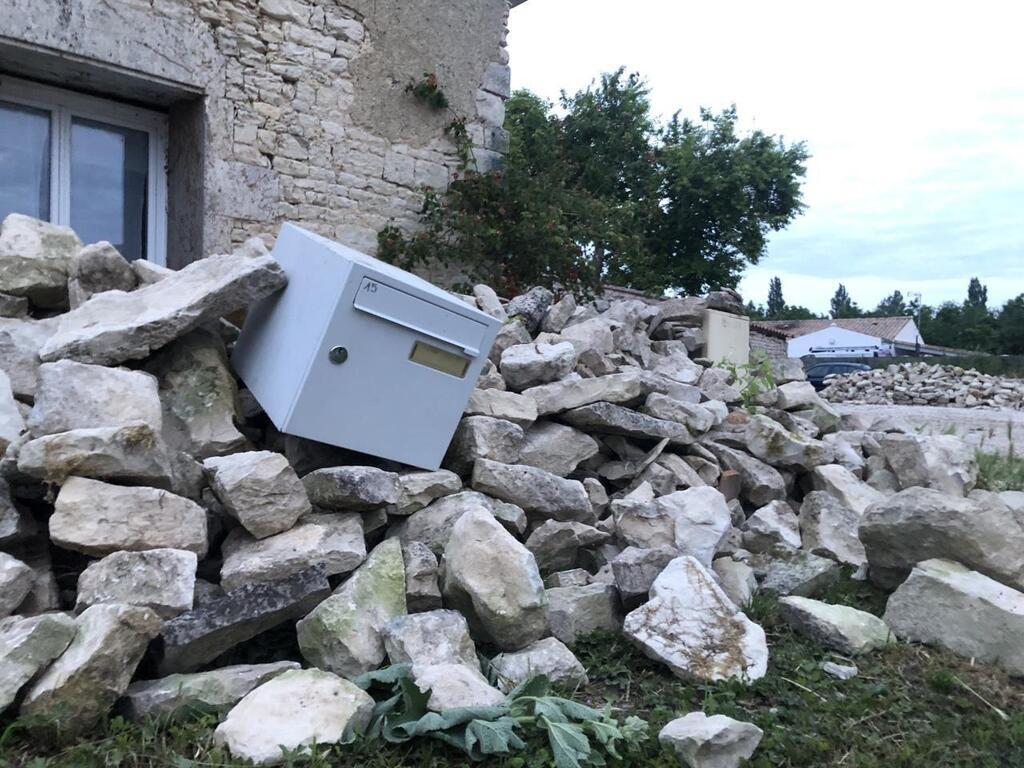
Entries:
{"x":850,"y":337}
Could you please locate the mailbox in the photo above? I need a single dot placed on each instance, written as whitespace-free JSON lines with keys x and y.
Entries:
{"x":726,"y":337}
{"x":360,"y":354}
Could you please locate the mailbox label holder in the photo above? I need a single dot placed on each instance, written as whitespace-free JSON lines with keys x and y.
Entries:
{"x":380,"y":299}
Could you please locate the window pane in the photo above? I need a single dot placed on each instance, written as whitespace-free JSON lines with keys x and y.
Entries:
{"x":109,"y":175}
{"x":24,"y":161}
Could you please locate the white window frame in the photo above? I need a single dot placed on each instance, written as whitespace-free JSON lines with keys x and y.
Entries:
{"x":63,"y":106}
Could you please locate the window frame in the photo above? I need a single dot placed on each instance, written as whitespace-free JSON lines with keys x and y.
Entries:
{"x":63,"y":106}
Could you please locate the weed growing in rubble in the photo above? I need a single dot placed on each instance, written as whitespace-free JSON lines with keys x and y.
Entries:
{"x":1000,"y":473}
{"x":753,"y":379}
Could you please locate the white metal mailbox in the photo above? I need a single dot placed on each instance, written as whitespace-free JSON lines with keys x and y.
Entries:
{"x":726,"y":337}
{"x":360,"y":354}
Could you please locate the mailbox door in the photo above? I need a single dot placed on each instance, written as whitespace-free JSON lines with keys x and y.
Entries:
{"x":399,"y":376}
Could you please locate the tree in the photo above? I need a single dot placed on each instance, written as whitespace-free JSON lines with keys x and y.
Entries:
{"x":720,"y":197}
{"x":601,"y":193}
{"x":522,"y":226}
{"x":977,"y":294}
{"x":941,"y":325}
{"x":843,"y":305}
{"x":893,"y":305}
{"x":607,"y":138}
{"x":977,"y":327}
{"x":776,"y":303}
{"x":755,"y":311}
{"x":1011,"y":327}
{"x":793,"y":312}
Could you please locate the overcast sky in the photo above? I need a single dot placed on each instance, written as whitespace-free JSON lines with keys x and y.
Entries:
{"x":913,"y":113}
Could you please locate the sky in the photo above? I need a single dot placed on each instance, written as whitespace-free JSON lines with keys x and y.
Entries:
{"x":913,"y":113}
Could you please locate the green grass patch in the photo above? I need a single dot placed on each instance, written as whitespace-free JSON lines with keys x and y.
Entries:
{"x":1000,"y":473}
{"x":910,"y":707}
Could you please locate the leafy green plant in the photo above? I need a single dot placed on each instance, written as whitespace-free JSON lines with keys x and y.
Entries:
{"x":427,"y":90}
{"x":997,"y":472}
{"x":753,"y":379}
{"x":569,"y":725}
{"x":401,"y":715}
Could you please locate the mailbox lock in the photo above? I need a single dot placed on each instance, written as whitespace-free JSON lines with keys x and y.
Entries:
{"x":338,"y":355}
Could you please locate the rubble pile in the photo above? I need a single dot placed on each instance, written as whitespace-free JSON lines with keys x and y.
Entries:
{"x":924,"y":384}
{"x":156,"y":531}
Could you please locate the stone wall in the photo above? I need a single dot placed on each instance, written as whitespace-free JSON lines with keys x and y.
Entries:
{"x":300,"y":104}
{"x":769,"y":346}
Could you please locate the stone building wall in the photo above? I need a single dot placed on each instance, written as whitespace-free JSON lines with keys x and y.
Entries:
{"x":771,"y":347}
{"x":281,"y":109}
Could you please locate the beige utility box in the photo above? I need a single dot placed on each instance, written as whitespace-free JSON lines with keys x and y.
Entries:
{"x":726,"y":337}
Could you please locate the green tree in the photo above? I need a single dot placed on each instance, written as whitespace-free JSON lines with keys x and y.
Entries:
{"x":977,"y":294}
{"x":521,"y":226}
{"x":1010,"y":335}
{"x":842,"y":305}
{"x":607,"y":138}
{"x":893,"y":305}
{"x":793,"y":312}
{"x":721,"y":196}
{"x":941,"y":325}
{"x":598,"y":192}
{"x":755,"y":311}
{"x":776,"y":303}
{"x":977,"y":328}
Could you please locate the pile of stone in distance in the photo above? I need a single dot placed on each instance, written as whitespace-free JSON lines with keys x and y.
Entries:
{"x":924,"y":384}
{"x":155,"y":529}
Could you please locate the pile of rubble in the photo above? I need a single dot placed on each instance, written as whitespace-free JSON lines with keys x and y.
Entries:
{"x":923,"y":384}
{"x":155,"y":527}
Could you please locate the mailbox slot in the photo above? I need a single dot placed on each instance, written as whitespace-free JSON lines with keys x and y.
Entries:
{"x":381,"y":300}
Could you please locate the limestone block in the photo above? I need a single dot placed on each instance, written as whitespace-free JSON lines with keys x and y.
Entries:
{"x":27,"y":645}
{"x":74,"y":395}
{"x":259,"y":489}
{"x":34,"y":259}
{"x":163,"y":580}
{"x":343,"y":633}
{"x":690,"y":625}
{"x":351,"y":488}
{"x":294,"y":710}
{"x":494,"y":581}
{"x":98,"y":518}
{"x":114,"y":326}
{"x":81,"y":686}
{"x":215,"y":691}
{"x":333,"y":541}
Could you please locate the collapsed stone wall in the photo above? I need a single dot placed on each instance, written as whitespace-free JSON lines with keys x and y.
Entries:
{"x":298,"y":107}
{"x":924,"y":384}
{"x":155,"y":526}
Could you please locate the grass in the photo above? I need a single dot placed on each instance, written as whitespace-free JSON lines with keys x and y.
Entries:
{"x":910,"y":707}
{"x":1000,"y":473}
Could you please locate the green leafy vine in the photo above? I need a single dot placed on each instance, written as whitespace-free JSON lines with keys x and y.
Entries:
{"x":428,"y":90}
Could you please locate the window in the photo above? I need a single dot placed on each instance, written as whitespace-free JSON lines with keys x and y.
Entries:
{"x":94,"y":165}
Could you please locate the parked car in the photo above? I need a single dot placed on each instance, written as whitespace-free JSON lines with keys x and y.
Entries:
{"x":816,"y":373}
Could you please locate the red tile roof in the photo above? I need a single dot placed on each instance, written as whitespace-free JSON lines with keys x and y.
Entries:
{"x":883,"y":327}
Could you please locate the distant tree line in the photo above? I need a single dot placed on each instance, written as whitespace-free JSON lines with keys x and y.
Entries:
{"x":971,"y":325}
